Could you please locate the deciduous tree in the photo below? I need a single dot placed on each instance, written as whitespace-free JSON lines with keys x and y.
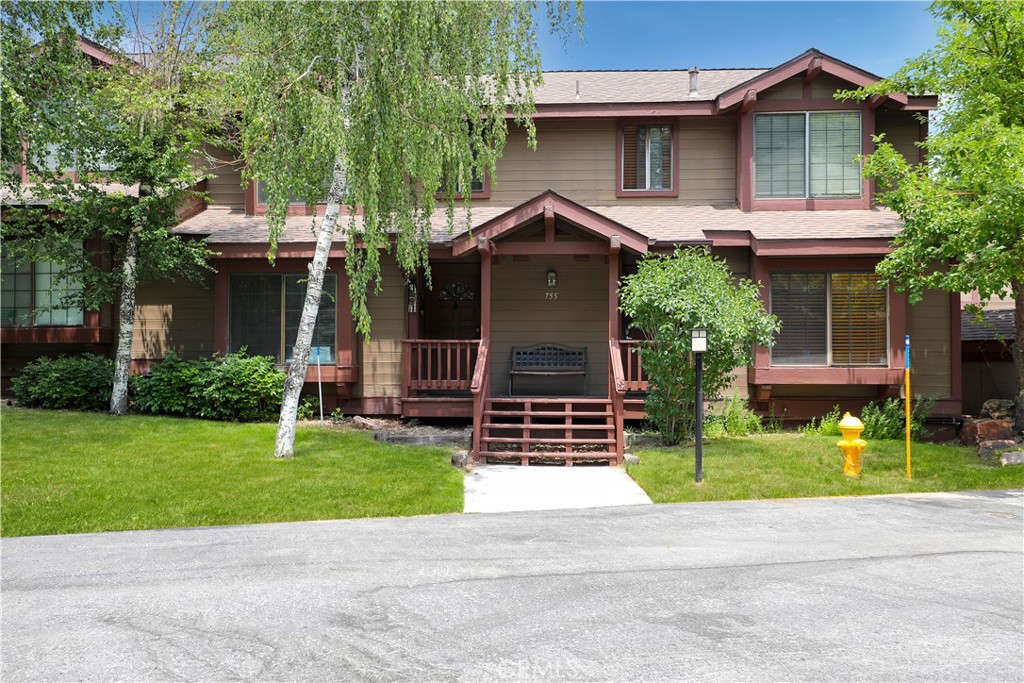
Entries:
{"x":374,"y":106}
{"x":667,"y":298}
{"x":964,"y":211}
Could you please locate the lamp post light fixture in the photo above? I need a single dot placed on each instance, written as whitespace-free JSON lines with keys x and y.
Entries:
{"x":699,"y":344}
{"x":552,"y":278}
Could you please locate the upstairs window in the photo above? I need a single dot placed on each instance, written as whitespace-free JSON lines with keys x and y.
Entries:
{"x":647,"y":158}
{"x":829,"y":319}
{"x":31,"y":294}
{"x":265,"y":311}
{"x":807,"y":155}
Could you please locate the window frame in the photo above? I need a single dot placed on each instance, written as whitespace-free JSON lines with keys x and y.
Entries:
{"x":483,"y":193}
{"x":34,"y":314}
{"x":829,"y":361}
{"x":673,"y":189}
{"x":281,"y":356}
{"x":807,"y":196}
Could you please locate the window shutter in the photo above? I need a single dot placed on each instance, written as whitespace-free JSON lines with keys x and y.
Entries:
{"x":835,"y":142}
{"x":858,"y":320}
{"x":629,"y":158}
{"x":799,"y":301}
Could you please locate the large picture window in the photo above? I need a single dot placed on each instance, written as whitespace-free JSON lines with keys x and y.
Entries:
{"x":31,"y":294}
{"x":265,"y":311}
{"x":647,"y":158}
{"x":829,"y":319}
{"x":812,"y":154}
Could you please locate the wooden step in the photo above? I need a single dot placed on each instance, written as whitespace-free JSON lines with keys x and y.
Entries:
{"x":548,"y":427}
{"x":548,"y":413}
{"x":580,"y":401}
{"x":544,"y":439}
{"x":568,"y":458}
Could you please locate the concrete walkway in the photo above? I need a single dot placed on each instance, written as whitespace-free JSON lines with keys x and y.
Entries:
{"x":512,"y":488}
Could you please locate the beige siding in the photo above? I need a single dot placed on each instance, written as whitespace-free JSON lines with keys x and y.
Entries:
{"x":738,"y":259}
{"x":381,"y":365}
{"x":225,"y":188}
{"x":928,"y":326}
{"x":523,"y":316}
{"x":174,"y":315}
{"x":790,"y":89}
{"x":707,"y":161}
{"x":901,"y":131}
{"x":824,"y":87}
{"x":576,"y":158}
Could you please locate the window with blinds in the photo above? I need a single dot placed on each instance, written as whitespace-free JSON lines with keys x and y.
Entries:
{"x":33,"y":294}
{"x":834,"y":319}
{"x":265,"y":310}
{"x":811,"y":154}
{"x":646,"y":157}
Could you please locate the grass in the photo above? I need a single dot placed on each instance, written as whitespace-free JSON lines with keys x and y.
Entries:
{"x":794,"y":466}
{"x":65,"y":472}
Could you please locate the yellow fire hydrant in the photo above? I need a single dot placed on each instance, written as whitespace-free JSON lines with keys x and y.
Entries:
{"x":851,"y":444}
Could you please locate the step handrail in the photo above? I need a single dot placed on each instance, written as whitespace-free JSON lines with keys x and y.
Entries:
{"x":480,"y":387}
{"x":617,"y":393}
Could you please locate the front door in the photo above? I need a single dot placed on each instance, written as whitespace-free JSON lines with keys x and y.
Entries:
{"x":453,"y":305}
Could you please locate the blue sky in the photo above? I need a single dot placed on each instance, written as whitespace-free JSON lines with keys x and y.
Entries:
{"x":876,"y":36}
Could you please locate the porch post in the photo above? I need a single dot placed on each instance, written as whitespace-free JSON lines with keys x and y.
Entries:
{"x":614,"y":268}
{"x":484,"y":246}
{"x":346,"y":344}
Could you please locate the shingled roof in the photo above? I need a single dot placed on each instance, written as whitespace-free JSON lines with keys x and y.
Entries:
{"x":660,"y":223}
{"x":619,"y":87}
{"x":995,"y":325}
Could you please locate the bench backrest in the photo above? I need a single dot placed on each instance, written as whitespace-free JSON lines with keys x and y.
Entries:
{"x":548,"y":357}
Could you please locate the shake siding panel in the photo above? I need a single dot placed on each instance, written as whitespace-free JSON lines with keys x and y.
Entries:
{"x":381,"y":365}
{"x":174,"y":315}
{"x":928,"y":326}
{"x":790,"y":89}
{"x":824,"y":87}
{"x":901,"y":130}
{"x":523,"y":316}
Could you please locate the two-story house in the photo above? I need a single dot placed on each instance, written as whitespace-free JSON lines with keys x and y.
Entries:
{"x":757,"y":164}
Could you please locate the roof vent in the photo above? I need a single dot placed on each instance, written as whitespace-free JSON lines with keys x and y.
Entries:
{"x":694,"y":77}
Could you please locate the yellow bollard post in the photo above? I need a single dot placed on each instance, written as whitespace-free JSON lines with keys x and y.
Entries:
{"x":851,"y":444}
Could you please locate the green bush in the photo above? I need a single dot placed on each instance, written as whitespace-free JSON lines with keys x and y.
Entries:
{"x":66,"y":383}
{"x":881,"y":421}
{"x":174,"y":387}
{"x":237,"y":387}
{"x":828,"y":425}
{"x":309,"y":408}
{"x":888,"y":420}
{"x":734,"y":418}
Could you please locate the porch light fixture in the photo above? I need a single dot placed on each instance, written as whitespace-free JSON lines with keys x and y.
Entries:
{"x":552,"y":278}
{"x":699,"y":344}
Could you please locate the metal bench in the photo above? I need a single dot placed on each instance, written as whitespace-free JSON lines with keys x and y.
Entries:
{"x":547,"y":359}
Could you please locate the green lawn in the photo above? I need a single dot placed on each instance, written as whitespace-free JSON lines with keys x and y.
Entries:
{"x":64,"y":472}
{"x":793,"y":466}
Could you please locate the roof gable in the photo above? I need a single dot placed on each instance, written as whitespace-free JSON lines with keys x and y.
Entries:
{"x":810,"y":64}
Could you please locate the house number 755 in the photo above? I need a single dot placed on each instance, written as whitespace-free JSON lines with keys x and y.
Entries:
{"x":550,"y":296}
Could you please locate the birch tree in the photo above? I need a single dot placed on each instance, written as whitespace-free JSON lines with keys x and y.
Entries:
{"x":122,"y":147}
{"x":965,"y":209}
{"x":376,"y":104}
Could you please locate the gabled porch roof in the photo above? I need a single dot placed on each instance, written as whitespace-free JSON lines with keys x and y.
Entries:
{"x":548,"y":205}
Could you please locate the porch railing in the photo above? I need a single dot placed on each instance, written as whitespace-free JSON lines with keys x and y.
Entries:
{"x":438,"y":364}
{"x":481,"y":389}
{"x":617,"y":393}
{"x":632,"y":368}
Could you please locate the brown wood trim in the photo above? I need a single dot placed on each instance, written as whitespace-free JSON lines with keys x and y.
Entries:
{"x":816,"y":204}
{"x":437,"y":407}
{"x":568,"y":110}
{"x":673,"y":191}
{"x":865,"y":246}
{"x":777,"y":375}
{"x":550,"y":248}
{"x":897,"y":328}
{"x":484,"y":245}
{"x":57,"y":335}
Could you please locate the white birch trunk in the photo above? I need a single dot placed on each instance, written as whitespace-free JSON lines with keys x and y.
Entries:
{"x":126,"y":326}
{"x":284,"y":446}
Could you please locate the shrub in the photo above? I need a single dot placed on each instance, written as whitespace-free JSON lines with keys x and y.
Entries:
{"x":237,"y":387}
{"x":828,"y":425}
{"x":735,"y":418}
{"x":309,"y":408}
{"x":888,"y":420}
{"x":174,"y":387}
{"x":66,"y":383}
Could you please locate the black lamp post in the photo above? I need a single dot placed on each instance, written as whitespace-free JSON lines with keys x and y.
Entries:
{"x":699,"y":340}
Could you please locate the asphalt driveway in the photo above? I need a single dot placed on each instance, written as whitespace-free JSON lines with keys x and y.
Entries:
{"x":921,"y":587}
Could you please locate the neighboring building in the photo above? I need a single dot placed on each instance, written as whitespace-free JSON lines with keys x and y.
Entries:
{"x":757,"y":164}
{"x":987,"y":353}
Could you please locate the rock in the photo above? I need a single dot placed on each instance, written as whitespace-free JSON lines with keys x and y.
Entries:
{"x":460,"y":459}
{"x":360,"y":422}
{"x":988,"y":450}
{"x":631,"y":459}
{"x":1012,"y":458}
{"x":977,"y":431}
{"x":997,"y":408}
